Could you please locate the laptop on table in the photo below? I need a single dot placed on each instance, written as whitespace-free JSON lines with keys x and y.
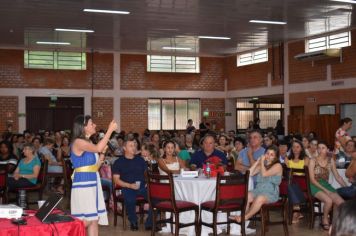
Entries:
{"x":44,"y":213}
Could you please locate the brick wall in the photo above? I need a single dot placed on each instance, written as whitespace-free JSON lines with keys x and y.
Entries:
{"x":102,"y":111}
{"x":134,"y":114}
{"x":255,"y":75}
{"x":347,"y":68}
{"x":216,"y":107}
{"x":303,"y":71}
{"x":9,"y":112}
{"x":14,"y":75}
{"x":135,"y":77}
{"x":330,"y":97}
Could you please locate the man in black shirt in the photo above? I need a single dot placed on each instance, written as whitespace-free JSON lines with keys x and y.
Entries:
{"x":128,"y":172}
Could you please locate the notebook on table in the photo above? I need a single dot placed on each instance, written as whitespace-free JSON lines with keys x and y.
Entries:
{"x":44,"y":213}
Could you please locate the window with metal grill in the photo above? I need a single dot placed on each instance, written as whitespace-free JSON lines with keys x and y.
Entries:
{"x":339,"y":40}
{"x":177,"y":64}
{"x":172,"y":114}
{"x":54,"y":60}
{"x":252,"y":57}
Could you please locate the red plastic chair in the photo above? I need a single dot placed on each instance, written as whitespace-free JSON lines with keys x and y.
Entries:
{"x":3,"y":187}
{"x":282,"y":205}
{"x":231,"y":195}
{"x":119,"y":198}
{"x":162,"y":199}
{"x":299,"y":177}
{"x":313,"y":202}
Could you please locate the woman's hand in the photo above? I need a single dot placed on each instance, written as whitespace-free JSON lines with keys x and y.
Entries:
{"x":16,"y":176}
{"x":112,"y":126}
{"x":263,"y":158}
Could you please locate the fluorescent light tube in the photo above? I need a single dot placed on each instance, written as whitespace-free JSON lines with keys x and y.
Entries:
{"x":268,"y":22}
{"x":213,"y":37}
{"x":106,"y":11}
{"x":75,"y":30}
{"x":175,"y":48}
{"x":52,"y":43}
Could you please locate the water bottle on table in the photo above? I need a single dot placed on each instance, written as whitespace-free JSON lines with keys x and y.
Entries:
{"x":208,"y":170}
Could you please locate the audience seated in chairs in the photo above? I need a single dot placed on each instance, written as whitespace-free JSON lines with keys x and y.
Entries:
{"x":169,"y":162}
{"x":151,"y":156}
{"x":128,"y":170}
{"x":8,"y":160}
{"x":319,"y":186}
{"x":349,"y":192}
{"x":269,"y":175}
{"x":27,"y":171}
{"x":248,"y":156}
{"x":208,"y":150}
{"x":55,"y":168}
{"x":297,"y":159}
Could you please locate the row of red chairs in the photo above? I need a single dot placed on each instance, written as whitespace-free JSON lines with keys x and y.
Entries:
{"x":231,"y":196}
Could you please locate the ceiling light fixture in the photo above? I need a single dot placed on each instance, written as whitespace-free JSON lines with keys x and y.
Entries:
{"x":106,"y":11}
{"x":213,"y":37}
{"x":75,"y":30}
{"x":176,"y":48}
{"x":346,"y":1}
{"x":268,"y":22}
{"x":52,"y":43}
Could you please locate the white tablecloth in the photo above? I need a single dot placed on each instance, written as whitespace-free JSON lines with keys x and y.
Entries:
{"x":334,"y":182}
{"x":199,"y":190}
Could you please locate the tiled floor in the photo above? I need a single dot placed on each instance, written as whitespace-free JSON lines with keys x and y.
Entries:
{"x":299,"y":229}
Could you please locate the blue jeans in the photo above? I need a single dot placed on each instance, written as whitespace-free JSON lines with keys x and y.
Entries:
{"x":130,"y":204}
{"x":347,"y":192}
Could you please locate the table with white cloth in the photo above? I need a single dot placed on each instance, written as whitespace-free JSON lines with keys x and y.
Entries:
{"x":199,"y":190}
{"x":334,"y":182}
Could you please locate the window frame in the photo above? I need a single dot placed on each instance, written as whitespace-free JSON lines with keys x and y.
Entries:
{"x":173,"y":64}
{"x":323,"y":105}
{"x":252,"y":60}
{"x":174,"y":109}
{"x":256,"y":109}
{"x":326,"y":42}
{"x":58,"y":59}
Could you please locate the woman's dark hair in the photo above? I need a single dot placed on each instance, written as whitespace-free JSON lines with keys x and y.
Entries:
{"x":275,"y":149}
{"x":345,"y":120}
{"x":164,"y":145}
{"x":78,"y":126}
{"x":8,"y":146}
{"x":323,"y":143}
{"x":302,"y":154}
{"x":241,"y":140}
{"x":138,"y":143}
{"x":37,"y":138}
{"x":152,"y":150}
{"x":345,"y":219}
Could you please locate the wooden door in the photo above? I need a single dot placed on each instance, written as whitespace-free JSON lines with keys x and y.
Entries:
{"x":42,"y":113}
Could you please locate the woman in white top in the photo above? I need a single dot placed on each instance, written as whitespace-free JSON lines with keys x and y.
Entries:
{"x":169,"y":162}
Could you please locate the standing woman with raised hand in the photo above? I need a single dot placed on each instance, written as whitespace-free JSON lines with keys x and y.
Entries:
{"x":87,"y":200}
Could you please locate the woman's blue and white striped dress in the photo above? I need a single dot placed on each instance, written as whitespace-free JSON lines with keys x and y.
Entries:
{"x":87,"y":200}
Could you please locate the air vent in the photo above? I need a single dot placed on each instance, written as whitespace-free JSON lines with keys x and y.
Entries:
{"x":319,"y":55}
